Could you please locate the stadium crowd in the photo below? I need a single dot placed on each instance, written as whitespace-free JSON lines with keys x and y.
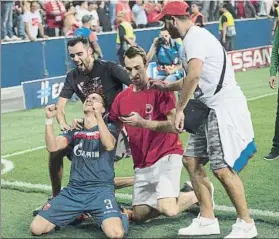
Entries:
{"x":23,"y":20}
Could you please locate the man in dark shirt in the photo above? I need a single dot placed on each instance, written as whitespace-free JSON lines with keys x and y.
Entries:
{"x":91,"y":186}
{"x":103,"y":13}
{"x":87,"y":74}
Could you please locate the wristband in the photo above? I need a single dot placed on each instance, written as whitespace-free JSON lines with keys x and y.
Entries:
{"x":49,"y":121}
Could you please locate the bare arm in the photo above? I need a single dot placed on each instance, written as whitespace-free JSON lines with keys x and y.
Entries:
{"x":166,"y":126}
{"x":53,"y":143}
{"x":224,"y":32}
{"x":107,"y":139}
{"x":60,"y":105}
{"x":41,"y":30}
{"x":97,"y":48}
{"x":190,"y":83}
{"x":151,"y":53}
{"x":28,"y":32}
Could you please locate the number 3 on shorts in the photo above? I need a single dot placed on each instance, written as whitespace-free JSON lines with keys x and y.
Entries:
{"x":108,"y":204}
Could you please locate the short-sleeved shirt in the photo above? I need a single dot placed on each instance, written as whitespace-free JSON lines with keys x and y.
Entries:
{"x":147,"y":146}
{"x":91,"y":165}
{"x":200,"y":44}
{"x":140,"y":14}
{"x":33,"y":19}
{"x":111,"y":75}
{"x":224,"y":19}
{"x":86,"y":32}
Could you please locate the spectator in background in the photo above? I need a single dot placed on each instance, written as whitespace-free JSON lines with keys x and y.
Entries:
{"x":33,"y":22}
{"x":226,"y":28}
{"x":112,"y":12}
{"x":70,"y":23}
{"x":274,"y":152}
{"x":250,"y":10}
{"x":85,"y":31}
{"x":55,"y":11}
{"x":7,"y":21}
{"x":122,"y":6}
{"x":139,"y":14}
{"x":92,"y":10}
{"x":18,"y":22}
{"x":197,"y":17}
{"x":104,"y":15}
{"x":168,"y":53}
{"x":125,"y":36}
{"x":81,"y":10}
{"x":152,"y":9}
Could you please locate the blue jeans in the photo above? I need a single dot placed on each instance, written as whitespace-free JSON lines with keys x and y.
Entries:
{"x":7,"y":19}
{"x":20,"y":25}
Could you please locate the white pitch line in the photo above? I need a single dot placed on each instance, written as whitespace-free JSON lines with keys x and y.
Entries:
{"x":23,"y":152}
{"x":222,"y":208}
{"x":261,"y":96}
{"x":8,"y":166}
{"x":42,"y":147}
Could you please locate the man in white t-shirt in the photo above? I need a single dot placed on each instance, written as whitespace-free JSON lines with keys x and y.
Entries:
{"x":223,"y":139}
{"x":33,"y":22}
{"x":81,"y":10}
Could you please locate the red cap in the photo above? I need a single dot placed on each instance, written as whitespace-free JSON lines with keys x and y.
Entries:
{"x":173,"y":8}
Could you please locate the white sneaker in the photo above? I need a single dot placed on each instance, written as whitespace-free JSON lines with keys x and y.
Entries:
{"x":201,"y":226}
{"x":6,"y":38}
{"x":242,"y":229}
{"x":15,"y":38}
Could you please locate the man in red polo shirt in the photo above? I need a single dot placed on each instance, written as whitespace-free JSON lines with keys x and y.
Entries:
{"x":155,"y":146}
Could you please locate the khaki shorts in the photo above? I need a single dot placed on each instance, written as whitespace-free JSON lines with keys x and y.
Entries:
{"x":161,"y":180}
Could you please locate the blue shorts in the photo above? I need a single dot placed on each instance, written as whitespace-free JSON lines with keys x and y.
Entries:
{"x":70,"y":203}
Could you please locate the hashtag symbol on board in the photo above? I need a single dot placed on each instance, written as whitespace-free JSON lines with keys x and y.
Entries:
{"x":44,"y":92}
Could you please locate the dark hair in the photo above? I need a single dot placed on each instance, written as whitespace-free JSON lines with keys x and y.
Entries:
{"x":92,"y":86}
{"x":68,"y":5}
{"x":72,"y":42}
{"x":134,"y":51}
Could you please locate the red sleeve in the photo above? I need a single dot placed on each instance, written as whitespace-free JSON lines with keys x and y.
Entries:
{"x":48,"y":8}
{"x":93,"y":37}
{"x":167,"y":102}
{"x":114,"y":110}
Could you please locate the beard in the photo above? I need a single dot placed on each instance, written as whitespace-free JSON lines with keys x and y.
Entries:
{"x":173,"y":31}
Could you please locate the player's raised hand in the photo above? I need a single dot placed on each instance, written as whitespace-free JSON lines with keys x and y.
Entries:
{"x":50,"y":111}
{"x":98,"y":109}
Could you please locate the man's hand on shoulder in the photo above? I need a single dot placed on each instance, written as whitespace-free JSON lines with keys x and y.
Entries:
{"x":158,"y":85}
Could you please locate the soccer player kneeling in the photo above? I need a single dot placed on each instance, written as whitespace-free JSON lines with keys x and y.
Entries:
{"x":91,"y":186}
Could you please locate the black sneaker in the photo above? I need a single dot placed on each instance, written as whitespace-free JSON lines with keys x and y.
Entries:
{"x":44,"y":207}
{"x":274,"y":154}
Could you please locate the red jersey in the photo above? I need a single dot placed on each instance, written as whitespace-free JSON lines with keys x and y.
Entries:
{"x":52,"y":7}
{"x":147,"y":146}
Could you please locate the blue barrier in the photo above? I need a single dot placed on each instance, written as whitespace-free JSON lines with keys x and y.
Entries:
{"x":25,"y":61}
{"x":42,"y":92}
